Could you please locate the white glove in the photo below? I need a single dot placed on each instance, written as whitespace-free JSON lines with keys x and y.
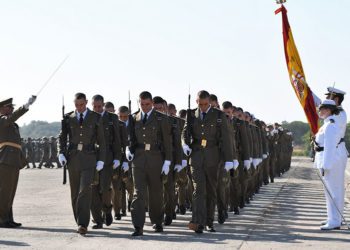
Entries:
{"x":228,"y":165}
{"x":247,"y":164}
{"x":62,"y":159}
{"x":265,"y":156}
{"x":255,"y":162}
{"x":178,"y":167}
{"x":165,"y":168}
{"x":235,"y":164}
{"x":187,"y":150}
{"x":99,"y":165}
{"x":184,"y":163}
{"x":31,"y":100}
{"x":128,"y":154}
{"x":260,"y":160}
{"x":125,"y":166}
{"x":251,"y":160}
{"x":116,"y":164}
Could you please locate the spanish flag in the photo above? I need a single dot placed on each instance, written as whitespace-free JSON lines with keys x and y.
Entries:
{"x":296,"y":74}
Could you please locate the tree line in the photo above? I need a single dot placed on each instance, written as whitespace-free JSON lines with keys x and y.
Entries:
{"x":301,"y":133}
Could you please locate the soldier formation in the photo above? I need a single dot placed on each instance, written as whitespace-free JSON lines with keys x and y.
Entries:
{"x":164,"y":162}
{"x":40,"y":152}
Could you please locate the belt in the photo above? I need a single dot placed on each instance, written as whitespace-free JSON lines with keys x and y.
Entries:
{"x":203,"y":144}
{"x":341,"y":140}
{"x":319,"y":149}
{"x":82,"y":147}
{"x":11,"y":144}
{"x":148,"y":147}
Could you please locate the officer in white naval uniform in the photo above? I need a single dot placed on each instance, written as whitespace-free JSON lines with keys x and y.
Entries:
{"x":328,"y":160}
{"x":337,"y":96}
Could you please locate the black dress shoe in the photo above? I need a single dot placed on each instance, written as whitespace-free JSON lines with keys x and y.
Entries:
{"x":15,"y":224}
{"x":210,"y":229}
{"x":137,"y":232}
{"x":221,"y":217}
{"x":182,"y":209}
{"x":168,"y":220}
{"x":109,"y":219}
{"x":272,"y":181}
{"x":123,"y":213}
{"x":158,"y":228}
{"x":199,"y":229}
{"x":97,"y":226}
{"x":236,"y":210}
{"x":117,"y":217}
{"x":82,"y":230}
{"x":7,"y":225}
{"x":174,"y":216}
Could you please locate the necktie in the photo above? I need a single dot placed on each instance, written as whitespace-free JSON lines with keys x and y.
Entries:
{"x":203,"y":115}
{"x":144,"y":120}
{"x":81,"y":119}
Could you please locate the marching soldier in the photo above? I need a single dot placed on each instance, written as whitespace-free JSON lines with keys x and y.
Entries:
{"x":12,"y":158}
{"x":30,"y":150}
{"x":45,"y":153}
{"x":101,"y":207}
{"x":82,"y":146}
{"x":244,"y":154}
{"x":150,"y":151}
{"x":122,"y":176}
{"x":204,"y":137}
{"x":160,"y":105}
{"x":54,"y":152}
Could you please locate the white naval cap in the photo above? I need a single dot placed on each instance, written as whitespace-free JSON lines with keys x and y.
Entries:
{"x":332,"y":90}
{"x":327,"y":104}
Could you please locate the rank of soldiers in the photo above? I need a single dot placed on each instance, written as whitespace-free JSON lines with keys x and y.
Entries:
{"x":161,"y":161}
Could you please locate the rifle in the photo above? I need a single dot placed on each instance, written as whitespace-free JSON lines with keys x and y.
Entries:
{"x":64,"y":127}
{"x":188,"y":121}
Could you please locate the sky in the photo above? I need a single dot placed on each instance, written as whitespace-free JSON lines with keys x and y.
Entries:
{"x":231,"y":48}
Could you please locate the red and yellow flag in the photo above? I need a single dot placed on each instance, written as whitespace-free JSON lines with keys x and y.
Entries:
{"x":296,"y":74}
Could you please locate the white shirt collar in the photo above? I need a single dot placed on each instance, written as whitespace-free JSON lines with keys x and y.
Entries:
{"x":148,"y":114}
{"x":84,"y":113}
{"x":206,"y":110}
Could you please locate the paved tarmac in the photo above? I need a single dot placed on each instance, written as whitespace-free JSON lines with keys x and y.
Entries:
{"x":284,"y":215}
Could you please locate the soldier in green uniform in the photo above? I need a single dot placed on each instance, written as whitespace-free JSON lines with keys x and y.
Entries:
{"x":12,"y":159}
{"x":160,"y":105}
{"x":101,"y":207}
{"x":150,"y":151}
{"x":228,"y":178}
{"x":45,"y":153}
{"x":205,"y":136}
{"x":82,"y":146}
{"x":54,"y":152}
{"x":121,"y":176}
{"x":181,"y":178}
{"x":30,"y":152}
{"x":244,"y":154}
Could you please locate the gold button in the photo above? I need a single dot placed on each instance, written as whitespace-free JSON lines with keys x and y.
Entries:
{"x":202,"y":133}
{"x":202,"y":125}
{"x":81,"y":134}
{"x":144,"y":135}
{"x":144,"y":128}
{"x":81,"y":126}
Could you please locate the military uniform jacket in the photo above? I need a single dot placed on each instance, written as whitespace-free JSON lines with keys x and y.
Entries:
{"x":9,"y":132}
{"x":213,"y":130}
{"x":155,"y":133}
{"x":176,"y":139}
{"x":243,"y":147}
{"x":328,"y":137}
{"x":111,"y":128}
{"x":90,"y":134}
